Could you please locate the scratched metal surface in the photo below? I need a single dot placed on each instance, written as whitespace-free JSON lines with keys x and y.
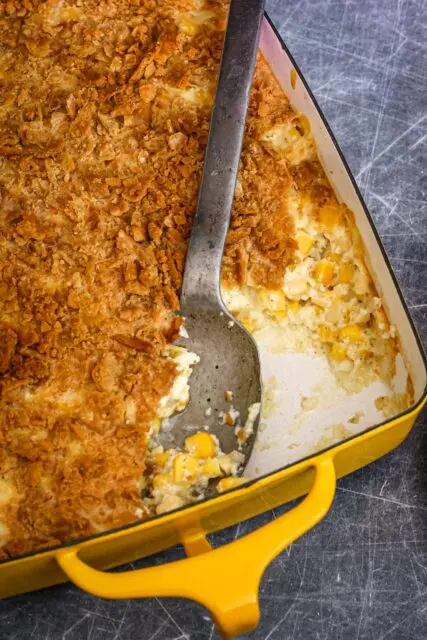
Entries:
{"x":362,"y":573}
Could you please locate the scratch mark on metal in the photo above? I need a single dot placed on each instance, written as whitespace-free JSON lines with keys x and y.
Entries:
{"x":390,"y":146}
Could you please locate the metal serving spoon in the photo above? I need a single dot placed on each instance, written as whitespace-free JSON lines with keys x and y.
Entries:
{"x":228,"y":354}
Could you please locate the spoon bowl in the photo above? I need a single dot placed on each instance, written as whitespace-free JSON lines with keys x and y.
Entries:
{"x":225,"y":387}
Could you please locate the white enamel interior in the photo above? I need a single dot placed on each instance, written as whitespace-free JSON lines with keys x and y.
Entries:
{"x":287,"y":432}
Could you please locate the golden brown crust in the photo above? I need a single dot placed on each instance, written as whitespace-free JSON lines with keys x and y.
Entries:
{"x":92,"y":240}
{"x":101,"y":152}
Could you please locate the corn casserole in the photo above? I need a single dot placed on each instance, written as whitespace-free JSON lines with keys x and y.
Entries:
{"x":104,"y":117}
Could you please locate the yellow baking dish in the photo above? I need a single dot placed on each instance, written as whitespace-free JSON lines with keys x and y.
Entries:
{"x":226,"y":580}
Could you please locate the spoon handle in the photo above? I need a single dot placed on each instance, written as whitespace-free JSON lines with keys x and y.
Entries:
{"x":210,"y":225}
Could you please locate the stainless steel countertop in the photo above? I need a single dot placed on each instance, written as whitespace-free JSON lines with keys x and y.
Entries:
{"x":362,"y":573}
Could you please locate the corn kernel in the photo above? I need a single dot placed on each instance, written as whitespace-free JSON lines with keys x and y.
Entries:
{"x":250,"y":326}
{"x":211,"y":468}
{"x":161,"y":480}
{"x":262,"y":295}
{"x":229,"y":483}
{"x":329,"y":216}
{"x":280,"y":315}
{"x":160,"y":459}
{"x":351,"y":333}
{"x":294,"y":306}
{"x":293,"y":134}
{"x":246,"y":321}
{"x":338,"y":352}
{"x":346,"y":273}
{"x":185,"y":468}
{"x":201,"y":445}
{"x":274,"y":300}
{"x":304,"y":241}
{"x":279,"y":301}
{"x":323,"y":272}
{"x":326,"y":334}
{"x":334,"y":257}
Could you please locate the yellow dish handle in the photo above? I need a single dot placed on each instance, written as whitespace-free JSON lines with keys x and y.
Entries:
{"x":224,"y":580}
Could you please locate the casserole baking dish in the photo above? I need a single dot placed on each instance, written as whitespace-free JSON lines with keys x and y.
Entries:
{"x":278,"y":470}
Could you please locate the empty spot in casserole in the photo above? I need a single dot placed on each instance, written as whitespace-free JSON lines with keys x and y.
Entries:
{"x":270,"y":397}
{"x":334,"y":433}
